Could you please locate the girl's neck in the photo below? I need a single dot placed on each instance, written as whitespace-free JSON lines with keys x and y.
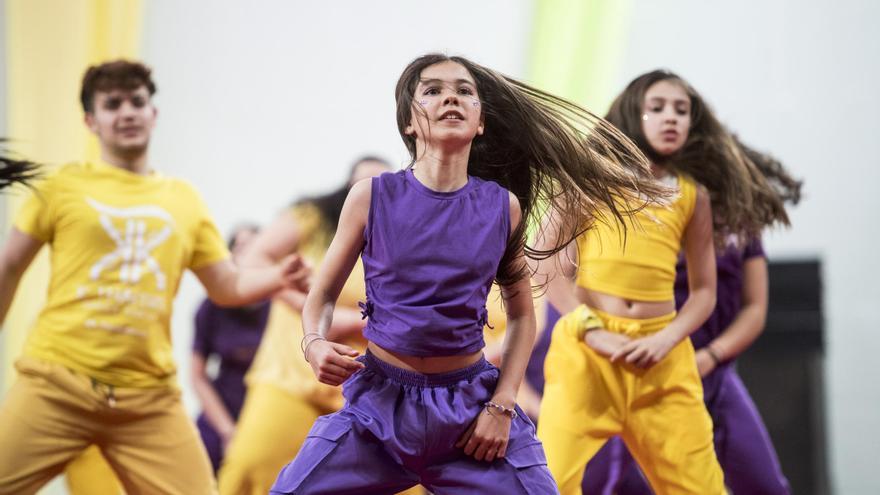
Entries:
{"x":659,"y":170}
{"x":442,"y":170}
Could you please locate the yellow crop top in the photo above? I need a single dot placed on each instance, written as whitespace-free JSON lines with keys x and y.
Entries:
{"x":642,"y":269}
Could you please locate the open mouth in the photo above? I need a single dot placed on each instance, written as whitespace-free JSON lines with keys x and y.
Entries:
{"x":451,"y":115}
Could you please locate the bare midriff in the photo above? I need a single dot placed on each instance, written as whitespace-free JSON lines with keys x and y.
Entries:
{"x":626,"y":308}
{"x":424,"y":365}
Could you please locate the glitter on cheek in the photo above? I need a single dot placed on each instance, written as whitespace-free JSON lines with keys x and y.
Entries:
{"x":423,"y":102}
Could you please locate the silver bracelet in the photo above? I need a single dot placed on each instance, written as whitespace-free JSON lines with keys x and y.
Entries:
{"x":309,"y":344}
{"x":510,"y":411}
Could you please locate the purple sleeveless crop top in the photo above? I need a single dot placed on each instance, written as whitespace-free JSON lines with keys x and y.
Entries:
{"x":429,"y":261}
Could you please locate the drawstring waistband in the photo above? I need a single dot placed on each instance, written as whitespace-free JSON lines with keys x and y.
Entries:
{"x":629,"y":326}
{"x":106,"y":390}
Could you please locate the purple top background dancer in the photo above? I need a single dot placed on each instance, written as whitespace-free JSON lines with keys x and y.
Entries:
{"x":731,"y":274}
{"x":233,"y":335}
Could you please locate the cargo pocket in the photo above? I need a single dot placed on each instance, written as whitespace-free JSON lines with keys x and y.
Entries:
{"x":531,"y":470}
{"x":321,"y":441}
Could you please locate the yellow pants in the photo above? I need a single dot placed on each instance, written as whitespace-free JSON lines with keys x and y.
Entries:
{"x":89,"y":474}
{"x":51,"y":415}
{"x":271,"y":428}
{"x":658,"y":412}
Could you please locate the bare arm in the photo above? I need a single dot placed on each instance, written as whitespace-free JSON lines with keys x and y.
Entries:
{"x":216,"y":413}
{"x":280,"y":239}
{"x":518,"y":341}
{"x":488,"y":437}
{"x":559,"y":270}
{"x":698,"y":249}
{"x":330,"y":361}
{"x":230,"y":285}
{"x":520,"y":334}
{"x":16,"y":256}
{"x":749,"y":322}
{"x":274,"y":242}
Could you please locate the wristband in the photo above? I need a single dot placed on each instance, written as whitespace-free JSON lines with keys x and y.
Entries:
{"x":588,"y":321}
{"x":713,"y":355}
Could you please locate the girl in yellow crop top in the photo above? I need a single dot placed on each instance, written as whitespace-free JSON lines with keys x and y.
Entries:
{"x":283,"y":397}
{"x":620,"y":362}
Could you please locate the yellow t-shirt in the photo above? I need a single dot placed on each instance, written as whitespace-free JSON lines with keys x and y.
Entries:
{"x":119,"y":244}
{"x":279,"y":360}
{"x":644,"y":268}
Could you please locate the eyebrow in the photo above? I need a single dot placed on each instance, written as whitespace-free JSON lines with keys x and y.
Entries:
{"x":662,"y":99}
{"x":434,"y":81}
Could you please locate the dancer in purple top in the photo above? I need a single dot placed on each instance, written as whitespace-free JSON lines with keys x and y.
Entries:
{"x":233,"y":335}
{"x":423,"y":406}
{"x":742,"y":444}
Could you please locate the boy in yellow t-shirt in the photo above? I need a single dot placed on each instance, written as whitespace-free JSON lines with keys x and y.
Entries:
{"x":97,"y":368}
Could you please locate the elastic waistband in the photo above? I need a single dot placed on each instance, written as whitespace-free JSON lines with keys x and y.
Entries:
{"x":624,"y":325}
{"x":414,"y":378}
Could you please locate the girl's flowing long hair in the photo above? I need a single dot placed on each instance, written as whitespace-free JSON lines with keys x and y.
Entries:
{"x":548,"y":152}
{"x":748,"y":189}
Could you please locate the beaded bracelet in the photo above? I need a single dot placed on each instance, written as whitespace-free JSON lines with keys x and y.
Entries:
{"x":504,"y":410}
{"x":305,"y":346}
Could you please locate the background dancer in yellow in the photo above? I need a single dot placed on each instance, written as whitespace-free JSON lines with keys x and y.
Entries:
{"x":620,"y":362}
{"x":283,"y":396}
{"x":97,"y":368}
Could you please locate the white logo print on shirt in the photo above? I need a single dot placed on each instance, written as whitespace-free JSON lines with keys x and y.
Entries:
{"x":133,"y":245}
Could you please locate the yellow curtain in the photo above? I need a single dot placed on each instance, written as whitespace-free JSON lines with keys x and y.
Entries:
{"x":49,"y":44}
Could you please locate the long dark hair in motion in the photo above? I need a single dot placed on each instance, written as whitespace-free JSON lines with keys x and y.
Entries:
{"x":747,"y":188}
{"x":329,"y":205}
{"x":15,"y":170}
{"x":546,"y":151}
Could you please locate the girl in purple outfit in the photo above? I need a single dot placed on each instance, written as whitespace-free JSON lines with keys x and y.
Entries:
{"x":233,"y":335}
{"x":423,"y":406}
{"x":742,"y":444}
